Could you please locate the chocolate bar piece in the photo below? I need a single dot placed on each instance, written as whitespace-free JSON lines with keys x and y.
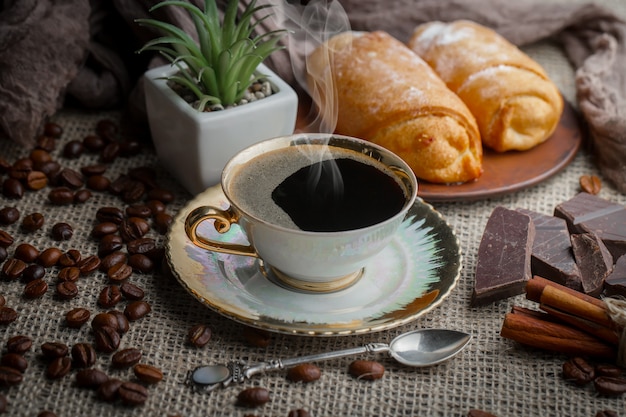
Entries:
{"x":594,"y":261}
{"x":615,"y":283}
{"x":552,"y":256}
{"x":503,"y":264}
{"x":587,"y":213}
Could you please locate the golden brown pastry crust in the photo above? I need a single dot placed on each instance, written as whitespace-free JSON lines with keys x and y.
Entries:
{"x":515,"y":104}
{"x":388,"y":95}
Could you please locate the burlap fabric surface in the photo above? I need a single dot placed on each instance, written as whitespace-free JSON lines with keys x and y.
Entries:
{"x":492,"y":373}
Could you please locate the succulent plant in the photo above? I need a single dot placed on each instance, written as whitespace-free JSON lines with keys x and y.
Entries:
{"x":221,"y":66}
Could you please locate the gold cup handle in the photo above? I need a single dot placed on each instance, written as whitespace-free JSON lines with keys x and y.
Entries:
{"x":223,"y":220}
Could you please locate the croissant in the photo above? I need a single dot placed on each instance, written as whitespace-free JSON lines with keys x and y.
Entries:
{"x":515,"y":104}
{"x":388,"y":95}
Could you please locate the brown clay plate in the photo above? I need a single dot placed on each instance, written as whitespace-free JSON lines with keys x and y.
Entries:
{"x":512,"y":171}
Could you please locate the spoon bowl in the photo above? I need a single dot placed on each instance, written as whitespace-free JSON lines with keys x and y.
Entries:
{"x":427,"y":347}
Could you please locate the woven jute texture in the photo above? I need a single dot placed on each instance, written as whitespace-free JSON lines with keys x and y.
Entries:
{"x":492,"y":373}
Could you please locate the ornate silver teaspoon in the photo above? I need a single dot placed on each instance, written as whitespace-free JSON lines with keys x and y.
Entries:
{"x":418,"y":348}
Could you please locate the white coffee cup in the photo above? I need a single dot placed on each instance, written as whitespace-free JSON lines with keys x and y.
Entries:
{"x":306,"y":260}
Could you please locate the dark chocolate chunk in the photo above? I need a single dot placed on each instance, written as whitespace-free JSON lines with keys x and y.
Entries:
{"x":552,"y":256}
{"x":588,"y":213}
{"x":594,"y":261}
{"x":503,"y":264}
{"x":615,"y":282}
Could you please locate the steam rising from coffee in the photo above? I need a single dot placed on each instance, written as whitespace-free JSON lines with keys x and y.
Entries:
{"x":311,"y":26}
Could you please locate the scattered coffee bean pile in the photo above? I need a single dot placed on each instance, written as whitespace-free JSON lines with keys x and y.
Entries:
{"x":608,"y":380}
{"x":124,"y":249}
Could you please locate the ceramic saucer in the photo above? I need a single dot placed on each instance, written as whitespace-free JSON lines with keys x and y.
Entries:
{"x":409,"y":278}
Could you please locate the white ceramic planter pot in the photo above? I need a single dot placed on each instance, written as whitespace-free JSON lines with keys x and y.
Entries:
{"x":195,"y":146}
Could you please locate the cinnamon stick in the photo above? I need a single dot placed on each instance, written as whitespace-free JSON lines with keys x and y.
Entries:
{"x":532,"y":331}
{"x":536,"y":285}
{"x":559,"y":299}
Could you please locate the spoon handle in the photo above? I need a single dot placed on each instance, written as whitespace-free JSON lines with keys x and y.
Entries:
{"x":276,"y":364}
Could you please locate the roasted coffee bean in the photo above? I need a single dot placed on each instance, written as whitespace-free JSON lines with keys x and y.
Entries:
{"x":132,"y":393}
{"x":578,"y":370}
{"x":91,"y":378}
{"x":70,"y":258}
{"x":49,"y":257}
{"x":610,"y":386}
{"x":81,"y":196}
{"x":108,"y":390}
{"x":32,"y":222}
{"x":133,"y":228}
{"x":137,"y":310}
{"x":590,"y":184}
{"x":15,"y":361}
{"x":35,"y":289}
{"x":107,"y":129}
{"x":76,"y":317}
{"x":6,"y":239}
{"x":84,"y":355}
{"x":59,"y":367}
{"x":3,"y":301}
{"x":61,"y":196}
{"x":133,"y":192}
{"x":4,"y":166}
{"x":20,"y":168}
{"x":102,"y":229}
{"x":98,"y":183}
{"x":110,"y":214}
{"x":50,"y":169}
{"x":479,"y":413}
{"x":53,"y":350}
{"x":94,"y":143}
{"x":104,"y":319}
{"x":66,"y":290}
{"x":140,"y":263}
{"x":47,"y":143}
{"x":367,"y":370}
{"x":162,"y":195}
{"x":73,"y":149}
{"x":13,"y":268}
{"x":298,"y":413}
{"x":156,"y":207}
{"x":26,"y":252}
{"x":126,"y":358}
{"x":3,"y":404}
{"x":110,"y":152}
{"x":131,"y":291}
{"x":33,"y":272}
{"x":4,"y":254}
{"x":120,"y":184}
{"x":9,"y":215}
{"x":7,"y":315}
{"x":256,"y":337}
{"x":606,"y":413}
{"x":62,"y":231}
{"x":52,"y":129}
{"x":88,"y":265}
{"x":122,"y":321}
{"x":12,"y":188}
{"x":39,"y":157}
{"x":107,"y":339}
{"x":95,"y":169}
{"x":109,"y":296}
{"x":19,"y":344}
{"x":109,"y":244}
{"x":162,"y":221}
{"x":112,"y":259}
{"x":129,"y":147}
{"x":306,"y":372}
{"x":608,"y":370}
{"x":70,"y":178}
{"x":9,"y":376}
{"x":138,"y":210}
{"x":36,"y":180}
{"x":199,"y":335}
{"x":144,"y":174}
{"x":46,"y":413}
{"x":253,"y":397}
{"x":69,"y":274}
{"x":143,"y":246}
{"x":148,"y":374}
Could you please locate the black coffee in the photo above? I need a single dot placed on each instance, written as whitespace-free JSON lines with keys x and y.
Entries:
{"x":339,"y":194}
{"x":317,"y":189}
